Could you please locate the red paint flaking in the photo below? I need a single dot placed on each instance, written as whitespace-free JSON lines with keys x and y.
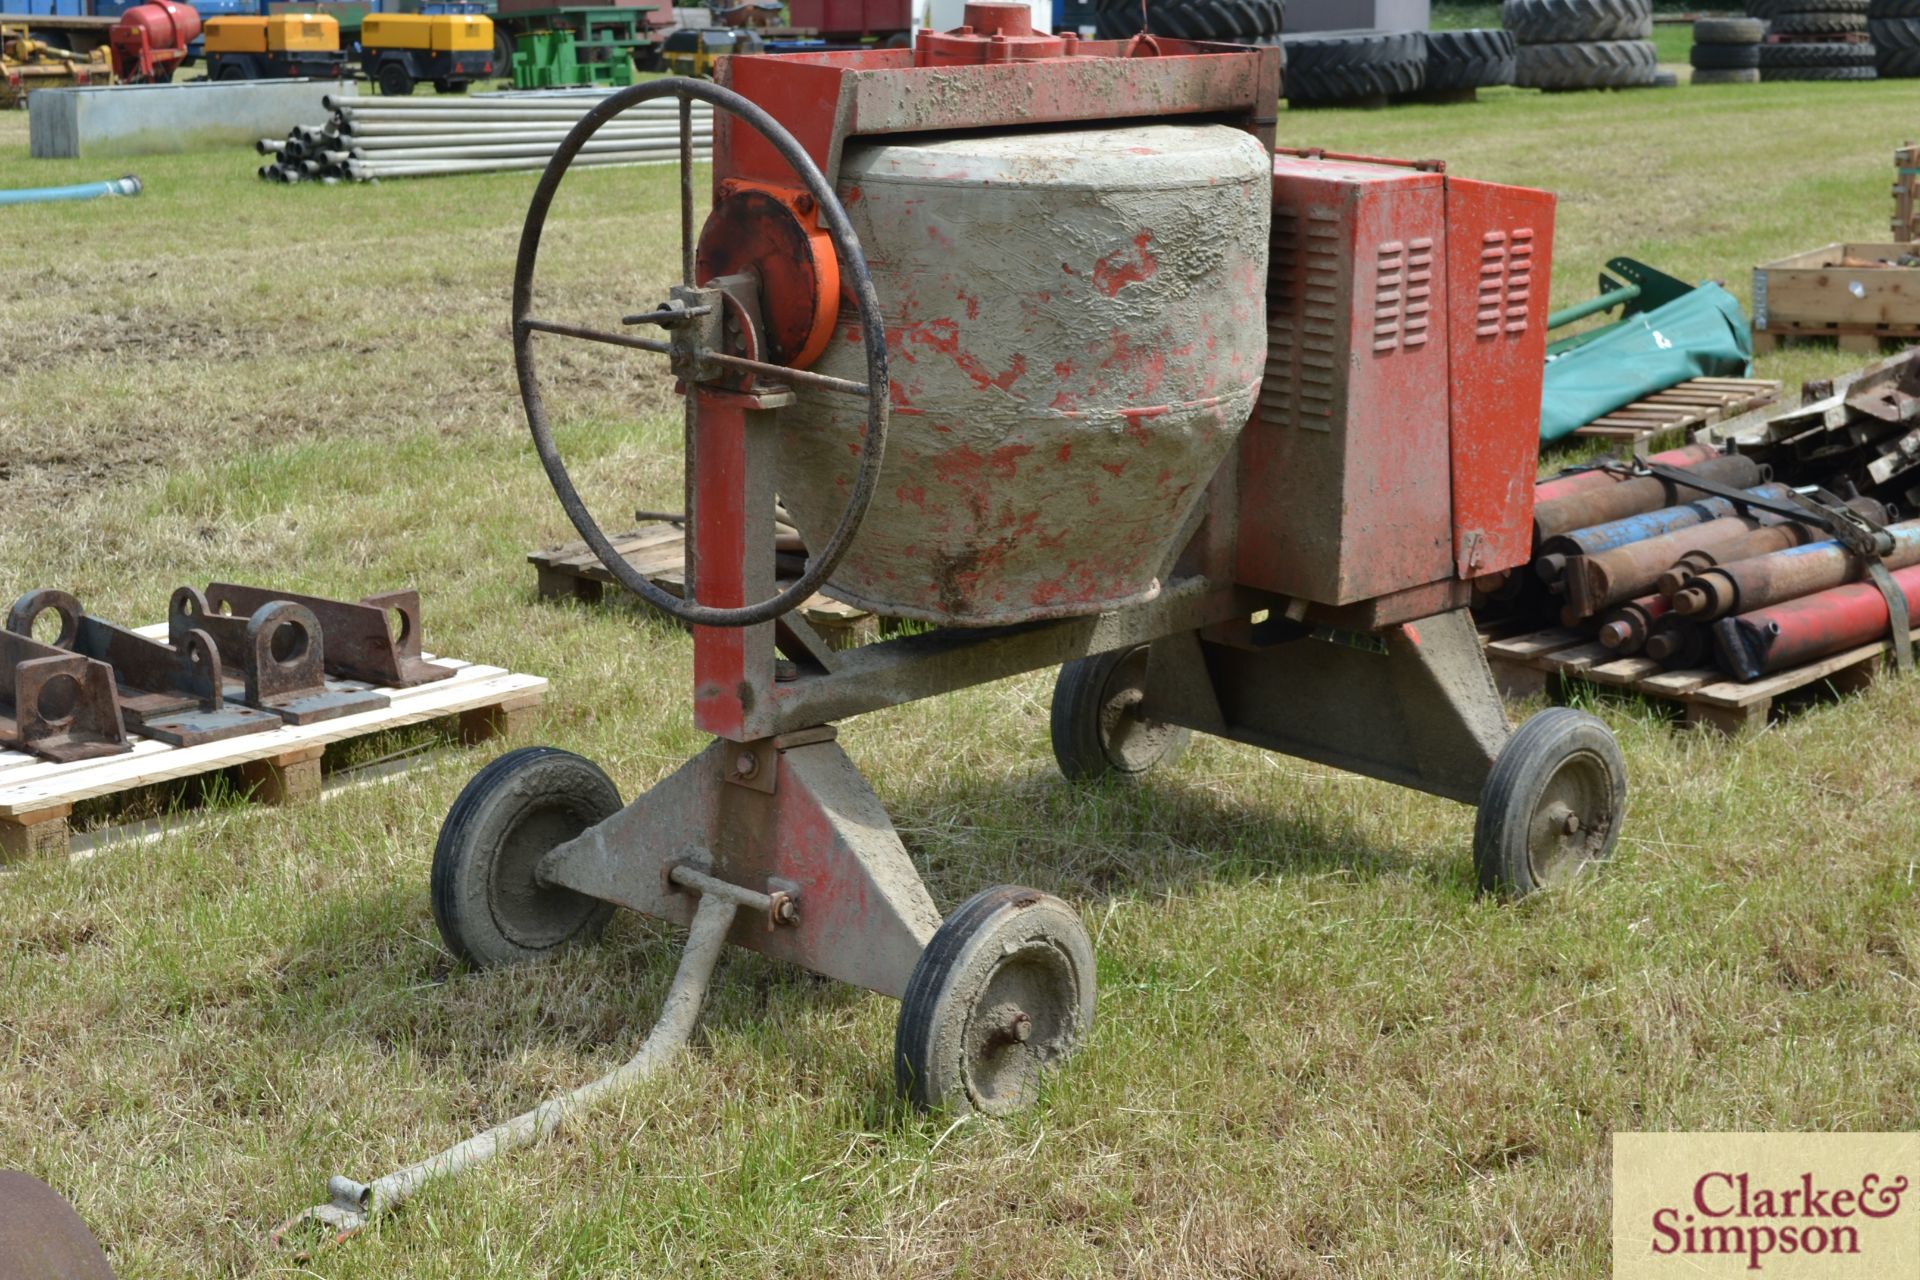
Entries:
{"x":1121,"y":268}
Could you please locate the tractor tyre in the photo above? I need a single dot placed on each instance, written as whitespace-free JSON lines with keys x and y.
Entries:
{"x":1577,"y":21}
{"x":1324,"y":69}
{"x":1595,"y":64}
{"x":1821,"y":6}
{"x":1894,"y":9}
{"x":1815,"y":54}
{"x":1469,"y":59}
{"x":1234,"y":21}
{"x":1896,"y":47}
{"x":1735,"y":75}
{"x":1725,"y":57}
{"x":1819,"y":24}
{"x":1729,"y":31}
{"x":1819,"y":73}
{"x":231,"y":73}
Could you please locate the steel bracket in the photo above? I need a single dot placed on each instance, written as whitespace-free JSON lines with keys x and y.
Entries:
{"x":281,"y":653}
{"x":819,"y":836}
{"x":56,"y":704}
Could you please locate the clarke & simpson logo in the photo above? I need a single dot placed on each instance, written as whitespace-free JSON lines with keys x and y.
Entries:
{"x":1778,"y":1205}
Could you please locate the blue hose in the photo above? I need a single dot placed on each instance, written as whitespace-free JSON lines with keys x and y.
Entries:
{"x":127,"y":186}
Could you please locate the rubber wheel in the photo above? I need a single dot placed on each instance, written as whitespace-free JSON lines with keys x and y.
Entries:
{"x":485,"y":900}
{"x":1737,"y":75}
{"x":42,"y":1236}
{"x":1003,"y":993}
{"x":1819,"y":24}
{"x":1897,"y":64}
{"x":1611,"y":64}
{"x":1577,"y":21}
{"x":1228,"y":20}
{"x":1819,"y":53}
{"x":1469,"y":59}
{"x":1349,"y":68}
{"x":1729,"y":31}
{"x":1562,"y":769}
{"x":1725,"y":57}
{"x":1894,"y":9}
{"x":450,"y":86}
{"x":1821,"y":6}
{"x":1097,"y":729}
{"x":1893,"y":37}
{"x":393,"y":80}
{"x":231,"y":73}
{"x":1818,"y":73}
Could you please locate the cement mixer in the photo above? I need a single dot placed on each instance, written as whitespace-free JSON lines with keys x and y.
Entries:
{"x":1045,"y":344}
{"x":149,"y":41}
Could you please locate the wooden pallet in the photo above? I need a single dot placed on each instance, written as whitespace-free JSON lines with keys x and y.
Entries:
{"x":1681,"y":409}
{"x":658,"y":550}
{"x":277,"y":767}
{"x":1858,"y":340}
{"x":1543,"y":661}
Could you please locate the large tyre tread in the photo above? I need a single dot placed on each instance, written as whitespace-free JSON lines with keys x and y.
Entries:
{"x":1725,"y":57}
{"x":1609,"y":64}
{"x":1469,"y":59}
{"x":1819,"y":24}
{"x":1729,"y":75}
{"x":1347,"y":68}
{"x":1818,"y":53}
{"x":1729,"y":31}
{"x":1234,"y":21}
{"x":1577,"y":21}
{"x":1818,"y":73}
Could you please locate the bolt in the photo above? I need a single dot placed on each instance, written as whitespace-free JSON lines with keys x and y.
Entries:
{"x":804,"y":204}
{"x":746,"y":764}
{"x":785,"y":910}
{"x":1572,"y":824}
{"x":1020,"y":1027}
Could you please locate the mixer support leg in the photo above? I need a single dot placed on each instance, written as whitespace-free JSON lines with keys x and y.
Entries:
{"x":1414,"y":704}
{"x":787,"y":816}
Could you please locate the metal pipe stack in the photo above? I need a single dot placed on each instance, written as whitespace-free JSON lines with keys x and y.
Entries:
{"x":366,"y":139}
{"x":1652,"y":567}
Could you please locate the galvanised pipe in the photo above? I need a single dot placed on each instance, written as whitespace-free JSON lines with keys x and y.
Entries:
{"x":444,"y":119}
{"x":127,"y":186}
{"x":1559,"y":552}
{"x":1592,"y":583}
{"x":1601,"y":504}
{"x":405,"y":128}
{"x":1625,"y":630}
{"x":400,"y":155}
{"x":1574,"y":482}
{"x":448,"y":138}
{"x":1804,"y":630}
{"x":1746,"y":585}
{"x":361,"y":170}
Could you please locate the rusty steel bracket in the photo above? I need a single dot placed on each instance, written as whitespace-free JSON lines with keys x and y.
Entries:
{"x":361,"y":644}
{"x":172,"y":692}
{"x":58,"y":705}
{"x":280,"y":652}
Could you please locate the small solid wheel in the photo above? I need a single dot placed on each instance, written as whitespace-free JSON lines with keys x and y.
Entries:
{"x":1552,"y":804}
{"x":490,"y":908}
{"x":1097,"y":728}
{"x":394,"y":81}
{"x":1003,"y":992}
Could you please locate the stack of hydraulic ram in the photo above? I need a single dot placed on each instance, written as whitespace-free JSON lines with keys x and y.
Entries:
{"x":1655,"y":568}
{"x":380,"y":137}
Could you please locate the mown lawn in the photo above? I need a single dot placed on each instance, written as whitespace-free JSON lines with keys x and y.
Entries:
{"x":1319,"y":1053}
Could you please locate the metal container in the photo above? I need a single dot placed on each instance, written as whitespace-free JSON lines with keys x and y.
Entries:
{"x":1076,"y":331}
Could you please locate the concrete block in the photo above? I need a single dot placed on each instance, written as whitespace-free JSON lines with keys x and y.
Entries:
{"x":1358,"y":15}
{"x":148,"y":119}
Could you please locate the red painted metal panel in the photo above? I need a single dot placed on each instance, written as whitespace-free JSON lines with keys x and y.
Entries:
{"x":720,"y":677}
{"x":1345,"y":490}
{"x":1499,"y":260}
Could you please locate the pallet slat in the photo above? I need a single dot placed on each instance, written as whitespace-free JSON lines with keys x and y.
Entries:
{"x":1686,"y":406}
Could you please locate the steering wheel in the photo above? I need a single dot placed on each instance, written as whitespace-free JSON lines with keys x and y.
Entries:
{"x":692,"y":359}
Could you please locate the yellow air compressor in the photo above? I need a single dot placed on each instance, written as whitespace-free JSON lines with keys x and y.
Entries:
{"x":286,"y":44}
{"x":398,"y":50}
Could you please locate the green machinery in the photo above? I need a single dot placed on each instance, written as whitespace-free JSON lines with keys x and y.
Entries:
{"x":550,"y":59}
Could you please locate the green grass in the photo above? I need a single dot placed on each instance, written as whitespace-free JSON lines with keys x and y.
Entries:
{"x":1318,"y":1054}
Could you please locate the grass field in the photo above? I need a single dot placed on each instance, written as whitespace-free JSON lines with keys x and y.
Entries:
{"x":1318,"y":1053}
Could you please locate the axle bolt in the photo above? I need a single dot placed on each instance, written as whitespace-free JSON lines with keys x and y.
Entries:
{"x":1020,"y":1027}
{"x":1571,"y":825}
{"x":746,"y":764}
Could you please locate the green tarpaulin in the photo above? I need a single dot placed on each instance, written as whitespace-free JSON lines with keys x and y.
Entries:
{"x":1703,"y":335}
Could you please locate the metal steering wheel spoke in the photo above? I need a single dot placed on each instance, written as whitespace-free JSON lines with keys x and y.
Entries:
{"x":697,"y":362}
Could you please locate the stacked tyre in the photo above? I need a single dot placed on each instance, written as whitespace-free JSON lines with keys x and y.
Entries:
{"x":1581,"y":44}
{"x":1727,"y":50}
{"x":1895,"y":28}
{"x":1345,"y":68}
{"x":1461,"y":61}
{"x":1230,"y":21}
{"x":1815,"y":40}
